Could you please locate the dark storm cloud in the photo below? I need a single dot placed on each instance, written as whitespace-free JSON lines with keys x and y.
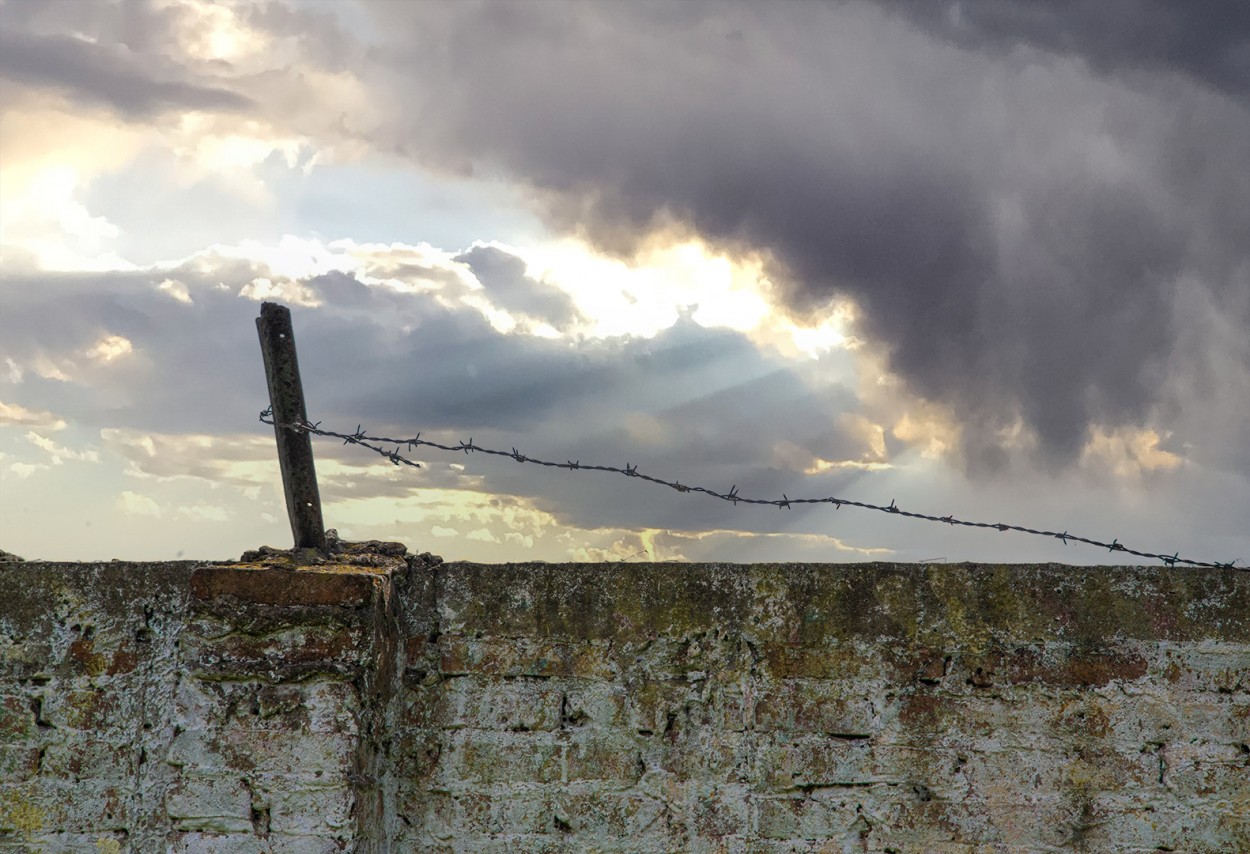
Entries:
{"x":1208,"y":39}
{"x":502,"y":274}
{"x":1018,"y":230}
{"x":106,"y":75}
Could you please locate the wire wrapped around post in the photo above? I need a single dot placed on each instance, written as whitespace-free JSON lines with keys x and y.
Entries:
{"x":286,"y":402}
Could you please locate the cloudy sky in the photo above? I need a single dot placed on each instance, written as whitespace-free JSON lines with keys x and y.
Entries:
{"x":989,"y":259}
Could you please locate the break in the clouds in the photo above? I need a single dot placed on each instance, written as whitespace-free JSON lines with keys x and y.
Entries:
{"x":857,"y":248}
{"x":1039,"y":210}
{"x":406,"y":337}
{"x":1026,"y":205}
{"x":156,"y":373}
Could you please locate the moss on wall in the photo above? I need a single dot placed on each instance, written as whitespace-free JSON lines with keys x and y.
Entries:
{"x":392,"y":703}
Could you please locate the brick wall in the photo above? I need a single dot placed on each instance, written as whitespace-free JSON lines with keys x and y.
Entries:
{"x":154,"y":707}
{"x":456,"y":707}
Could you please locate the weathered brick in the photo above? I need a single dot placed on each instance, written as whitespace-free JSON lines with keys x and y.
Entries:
{"x":417,"y":753}
{"x":595,"y":755}
{"x":38,"y":806}
{"x":517,"y":705}
{"x":17,"y":717}
{"x":932,"y":718}
{"x":1220,"y":717}
{"x":1145,"y":718}
{"x":910,"y":664}
{"x":555,"y":811}
{"x":1012,"y":776}
{"x":28,"y":807}
{"x":519,"y":657}
{"x":718,"y":812}
{"x":94,"y":710}
{"x":88,"y":758}
{"x":263,"y":752}
{"x":210,"y":802}
{"x":217,"y":843}
{"x":1205,"y":667}
{"x":501,"y":757}
{"x":940,"y":825}
{"x":83,"y":660}
{"x":734,"y":709}
{"x":420,"y":706}
{"x":427,"y":813}
{"x":727,"y":758}
{"x":293,"y":653}
{"x":480,"y":814}
{"x":655,"y":707}
{"x":1160,"y":826}
{"x":825,"y":817}
{"x":830,"y":661}
{"x":815,"y":706}
{"x":1061,"y":665}
{"x":1206,"y":771}
{"x":19,"y":762}
{"x":285,"y":587}
{"x":610,"y":815}
{"x":299,"y":809}
{"x":927,"y":773}
{"x":321,"y":706}
{"x":595,"y":703}
{"x":805,"y":762}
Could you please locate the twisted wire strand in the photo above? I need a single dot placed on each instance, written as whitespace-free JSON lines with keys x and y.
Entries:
{"x":376,"y":443}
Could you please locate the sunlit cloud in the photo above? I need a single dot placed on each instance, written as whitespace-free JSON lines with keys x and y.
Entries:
{"x":134,"y":504}
{"x":110,"y":348}
{"x":246,"y":463}
{"x":792,"y":457}
{"x":830,"y":332}
{"x":817,"y":540}
{"x":823,"y":466}
{"x":52,"y":152}
{"x":648,"y":293}
{"x":290,"y":258}
{"x":213,"y":32}
{"x":406,"y":268}
{"x":48,"y":369}
{"x":12,"y":413}
{"x":1128,"y":453}
{"x":177,"y":290}
{"x":60,"y":453}
{"x":231,"y":152}
{"x":262,"y":288}
{"x":928,"y":431}
{"x":13,"y":372}
{"x":25,"y":470}
{"x":871,"y":434}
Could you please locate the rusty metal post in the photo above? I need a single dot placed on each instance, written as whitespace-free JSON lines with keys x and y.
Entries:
{"x":286,"y":396}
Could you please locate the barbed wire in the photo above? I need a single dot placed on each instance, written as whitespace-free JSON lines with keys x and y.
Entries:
{"x":375,"y":444}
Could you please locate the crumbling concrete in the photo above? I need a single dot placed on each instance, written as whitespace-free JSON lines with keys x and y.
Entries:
{"x":377,"y":701}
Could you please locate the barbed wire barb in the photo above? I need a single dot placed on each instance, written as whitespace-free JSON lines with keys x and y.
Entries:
{"x":376,"y":443}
